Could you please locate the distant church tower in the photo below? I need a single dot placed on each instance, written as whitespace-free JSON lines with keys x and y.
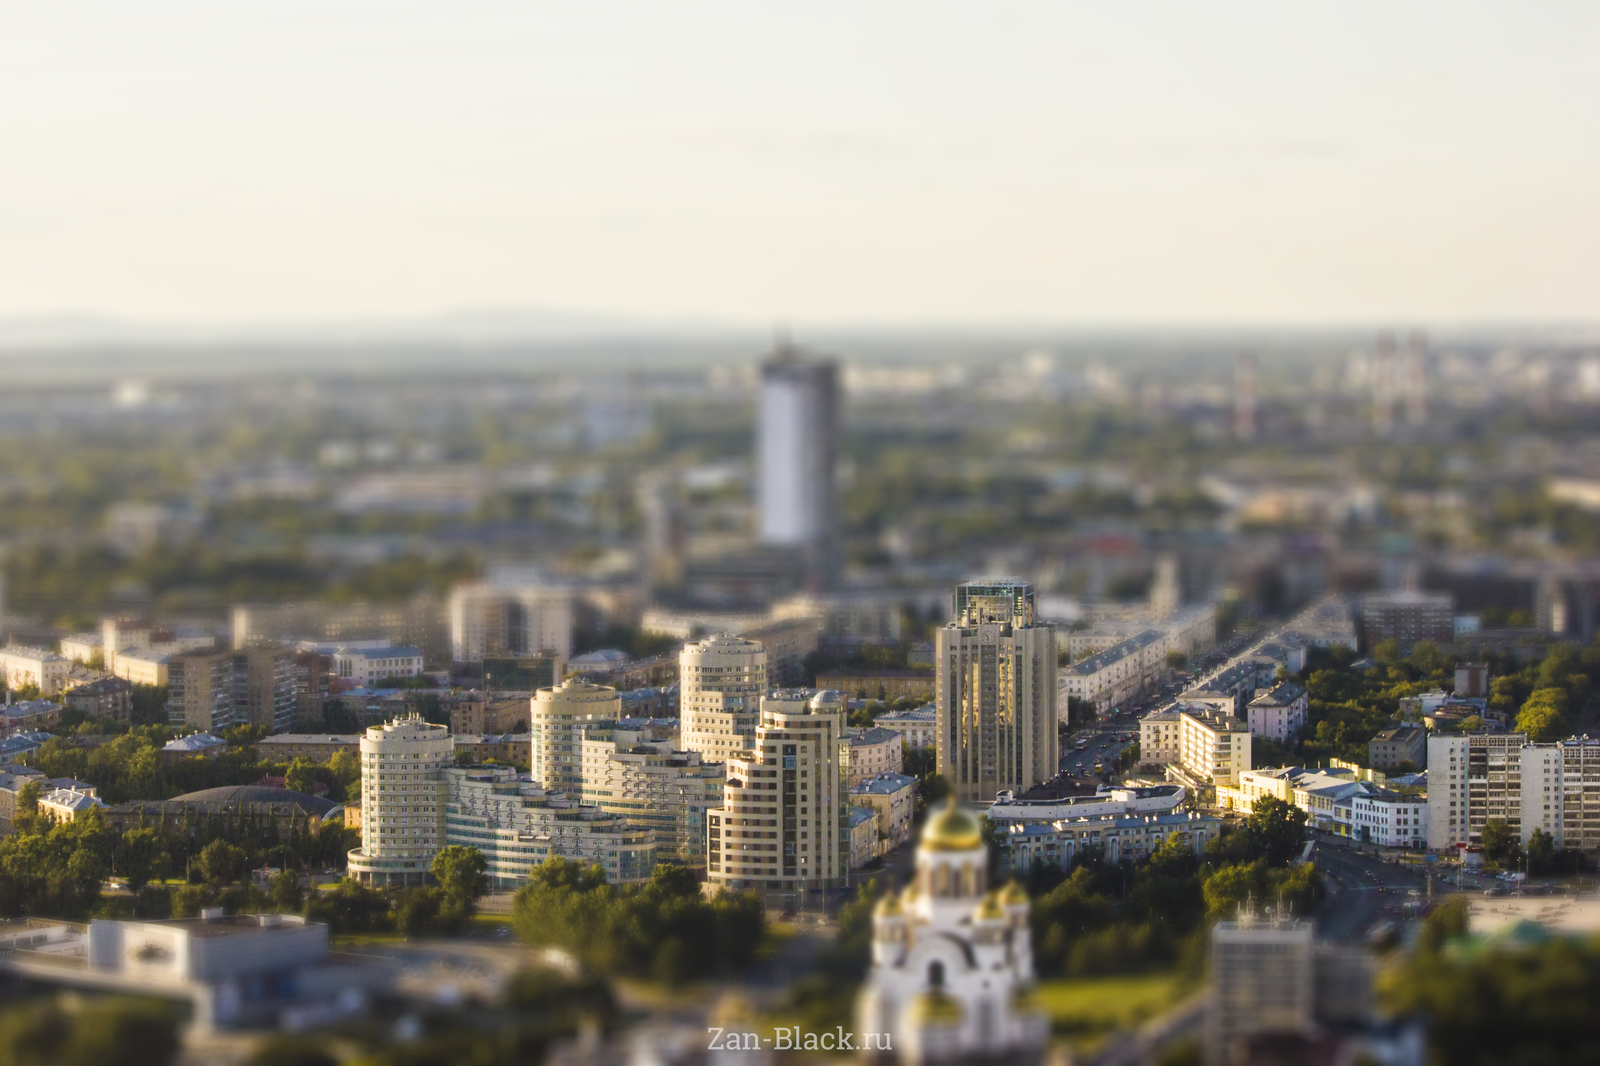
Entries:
{"x":951,"y":958}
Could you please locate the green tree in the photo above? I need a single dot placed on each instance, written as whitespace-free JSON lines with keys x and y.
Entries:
{"x":220,"y":862}
{"x":138,"y":855}
{"x":290,"y":1051}
{"x":1543,"y":717}
{"x":285,"y":892}
{"x":301,"y":776}
{"x":1500,"y":844}
{"x":463,"y":877}
{"x":1541,"y":852}
{"x":111,"y":1032}
{"x":346,"y":771}
{"x":415,"y":909}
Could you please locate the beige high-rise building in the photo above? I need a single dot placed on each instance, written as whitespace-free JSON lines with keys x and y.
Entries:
{"x":200,"y":691}
{"x":720,"y":684}
{"x":559,"y":715}
{"x":402,"y":801}
{"x":784,"y":821}
{"x":995,"y":695}
{"x":638,"y":773}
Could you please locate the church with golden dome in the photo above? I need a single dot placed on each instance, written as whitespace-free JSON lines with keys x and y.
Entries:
{"x":952,"y":959}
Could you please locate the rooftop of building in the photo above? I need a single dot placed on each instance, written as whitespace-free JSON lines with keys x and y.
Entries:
{"x":93,"y":640}
{"x":311,"y":738}
{"x":876,"y":735}
{"x":28,"y":651}
{"x":861,"y":814}
{"x":393,"y":651}
{"x":194,"y":742}
{"x":70,"y":799}
{"x":882,"y":785}
{"x":222,"y":925}
{"x":916,"y":714}
{"x":238,"y":795}
{"x":144,"y":655}
{"x":1284,"y":692}
{"x":1117,"y":652}
{"x":1023,"y":830}
{"x":103,"y":686}
{"x":27,"y":708}
{"x":1400,"y":732}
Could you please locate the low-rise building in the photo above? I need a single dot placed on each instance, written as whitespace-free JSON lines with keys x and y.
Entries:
{"x":870,"y":752}
{"x":918,"y":727}
{"x":1107,"y":802}
{"x":23,"y":665}
{"x":67,"y":804}
{"x":84,"y":648}
{"x":1213,"y":749}
{"x":195,"y":744}
{"x":109,"y":697}
{"x":315,"y":747}
{"x":1279,"y":713}
{"x":1123,"y":836}
{"x":1389,"y":819}
{"x":517,"y":825}
{"x":237,"y":970}
{"x":1158,"y":738}
{"x":635,"y":770}
{"x":142,"y":666}
{"x":1110,"y":678}
{"x":357,"y":667}
{"x":1401,"y":744}
{"x":894,"y":797}
{"x":887,"y":685}
{"x":864,"y":833}
{"x":30,"y":716}
{"x":511,"y":749}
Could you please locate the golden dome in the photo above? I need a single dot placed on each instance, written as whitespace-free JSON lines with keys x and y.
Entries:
{"x":888,"y":907}
{"x":1013,"y":894}
{"x":989,"y":910}
{"x":952,"y":829}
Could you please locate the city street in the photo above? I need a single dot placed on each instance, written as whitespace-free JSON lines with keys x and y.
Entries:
{"x":1364,"y":890}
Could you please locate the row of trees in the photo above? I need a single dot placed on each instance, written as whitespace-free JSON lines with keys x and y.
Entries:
{"x":51,"y":870}
{"x":1528,"y":1004}
{"x":665,"y":928}
{"x":1108,"y":917}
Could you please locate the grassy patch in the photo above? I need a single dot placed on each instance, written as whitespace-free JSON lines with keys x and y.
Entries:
{"x":1090,"y":1008}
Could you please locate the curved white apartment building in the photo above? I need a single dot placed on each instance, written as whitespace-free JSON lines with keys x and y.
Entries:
{"x":720,"y":684}
{"x":558,"y":717}
{"x":402,"y":800}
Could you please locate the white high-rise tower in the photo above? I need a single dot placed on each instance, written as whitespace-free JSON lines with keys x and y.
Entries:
{"x":796,"y":450}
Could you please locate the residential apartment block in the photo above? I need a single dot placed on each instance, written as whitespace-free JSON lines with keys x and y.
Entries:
{"x":870,"y":752}
{"x":784,"y":823}
{"x":721,"y":681}
{"x":894,"y":797}
{"x":1554,"y":787}
{"x":1279,"y":713}
{"x":22,"y":665}
{"x":1110,"y":678}
{"x":634,"y":769}
{"x":919,"y":727}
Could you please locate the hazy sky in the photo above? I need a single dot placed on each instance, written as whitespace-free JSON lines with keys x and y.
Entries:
{"x":1098,"y":162}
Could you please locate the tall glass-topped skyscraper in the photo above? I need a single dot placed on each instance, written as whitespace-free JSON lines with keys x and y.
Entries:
{"x":996,"y":691}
